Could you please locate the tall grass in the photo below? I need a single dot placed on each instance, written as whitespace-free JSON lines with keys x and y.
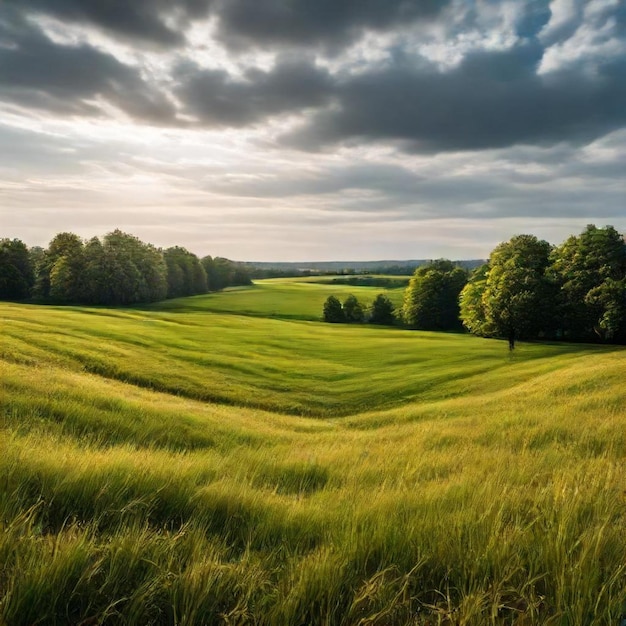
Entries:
{"x":493,"y":491}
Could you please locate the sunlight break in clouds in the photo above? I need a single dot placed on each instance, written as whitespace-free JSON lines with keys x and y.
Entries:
{"x":312,"y":131}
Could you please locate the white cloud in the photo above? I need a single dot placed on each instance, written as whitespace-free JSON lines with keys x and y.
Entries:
{"x":594,"y":39}
{"x":233,"y":192}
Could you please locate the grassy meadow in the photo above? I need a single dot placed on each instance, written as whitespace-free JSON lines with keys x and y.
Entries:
{"x":282,"y":298}
{"x":227,"y":459}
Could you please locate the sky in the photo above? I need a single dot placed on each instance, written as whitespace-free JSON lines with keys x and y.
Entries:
{"x":288,"y":130}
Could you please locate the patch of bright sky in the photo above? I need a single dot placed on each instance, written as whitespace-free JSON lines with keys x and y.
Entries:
{"x":562,"y":13}
{"x":594,"y":39}
{"x":444,"y":43}
{"x":607,"y":149}
{"x":494,"y":27}
{"x":370,"y":52}
{"x":203,"y":49}
{"x":75,"y":35}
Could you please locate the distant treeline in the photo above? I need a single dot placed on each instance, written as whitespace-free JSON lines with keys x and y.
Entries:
{"x":117,"y":269}
{"x":527,"y":290}
{"x":366,"y":281}
{"x":263,"y":269}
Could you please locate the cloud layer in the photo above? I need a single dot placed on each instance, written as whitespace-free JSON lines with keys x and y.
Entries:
{"x":292,"y":113}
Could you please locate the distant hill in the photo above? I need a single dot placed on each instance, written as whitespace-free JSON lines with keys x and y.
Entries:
{"x":383,"y":266}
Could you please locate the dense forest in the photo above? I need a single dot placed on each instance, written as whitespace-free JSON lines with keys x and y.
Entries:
{"x":527,"y":290}
{"x":117,"y":269}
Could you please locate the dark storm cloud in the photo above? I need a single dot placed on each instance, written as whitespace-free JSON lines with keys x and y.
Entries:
{"x":143,"y":20}
{"x":306,"y":22}
{"x":491,"y":100}
{"x":217,"y":98}
{"x":256,"y":23}
{"x":35,"y":72}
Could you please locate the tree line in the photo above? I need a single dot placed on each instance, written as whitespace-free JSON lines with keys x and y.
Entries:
{"x":117,"y":269}
{"x":351,"y":311}
{"x":528,"y":289}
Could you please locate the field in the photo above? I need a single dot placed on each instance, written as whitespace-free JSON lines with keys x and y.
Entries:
{"x":226,"y":459}
{"x":282,"y":298}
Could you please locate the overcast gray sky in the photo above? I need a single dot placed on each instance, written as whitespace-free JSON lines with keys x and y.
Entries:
{"x":313,"y":130}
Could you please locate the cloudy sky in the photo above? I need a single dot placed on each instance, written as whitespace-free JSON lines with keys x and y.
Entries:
{"x":313,"y":129}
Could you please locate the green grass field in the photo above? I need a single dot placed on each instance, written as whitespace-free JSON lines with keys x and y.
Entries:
{"x":222,"y":460}
{"x":282,"y":298}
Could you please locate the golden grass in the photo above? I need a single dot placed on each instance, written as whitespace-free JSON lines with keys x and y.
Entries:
{"x":463,"y":486}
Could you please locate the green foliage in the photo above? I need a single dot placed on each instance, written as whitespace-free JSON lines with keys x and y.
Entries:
{"x":63,"y":245}
{"x":120,"y":269}
{"x":607,"y":305}
{"x":333,"y":311}
{"x":353,"y":310}
{"x":431,"y":301}
{"x":16,"y":270}
{"x":185,"y":274}
{"x":65,"y":278}
{"x":222,"y":273}
{"x":513,"y":295}
{"x":135,"y":271}
{"x":576,"y":291}
{"x":581,"y":266}
{"x":386,"y":282}
{"x":472,"y":305}
{"x":382,"y":311}
{"x":518,"y":295}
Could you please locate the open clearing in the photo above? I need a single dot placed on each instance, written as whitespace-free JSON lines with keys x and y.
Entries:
{"x":282,"y":298}
{"x":223,"y":460}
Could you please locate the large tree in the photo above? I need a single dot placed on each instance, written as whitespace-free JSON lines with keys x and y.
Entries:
{"x":138,"y":269}
{"x":16,"y":270}
{"x":353,"y":310}
{"x":64,"y":245}
{"x":333,"y":311}
{"x":519,"y":297}
{"x":431,"y":301}
{"x":588,"y":268}
{"x":382,"y":311}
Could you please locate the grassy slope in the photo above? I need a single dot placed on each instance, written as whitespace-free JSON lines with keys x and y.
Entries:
{"x":460,"y":483}
{"x":293,"y":298}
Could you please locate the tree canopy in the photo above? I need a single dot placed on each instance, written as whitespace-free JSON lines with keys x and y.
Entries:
{"x":518,"y":295}
{"x":223,"y":273}
{"x":186,"y":275}
{"x":333,"y":311}
{"x":17,"y":276}
{"x":353,"y":310}
{"x":589,"y":270}
{"x":576,"y":291}
{"x":382,"y":311}
{"x":431,"y":301}
{"x":117,"y":269}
